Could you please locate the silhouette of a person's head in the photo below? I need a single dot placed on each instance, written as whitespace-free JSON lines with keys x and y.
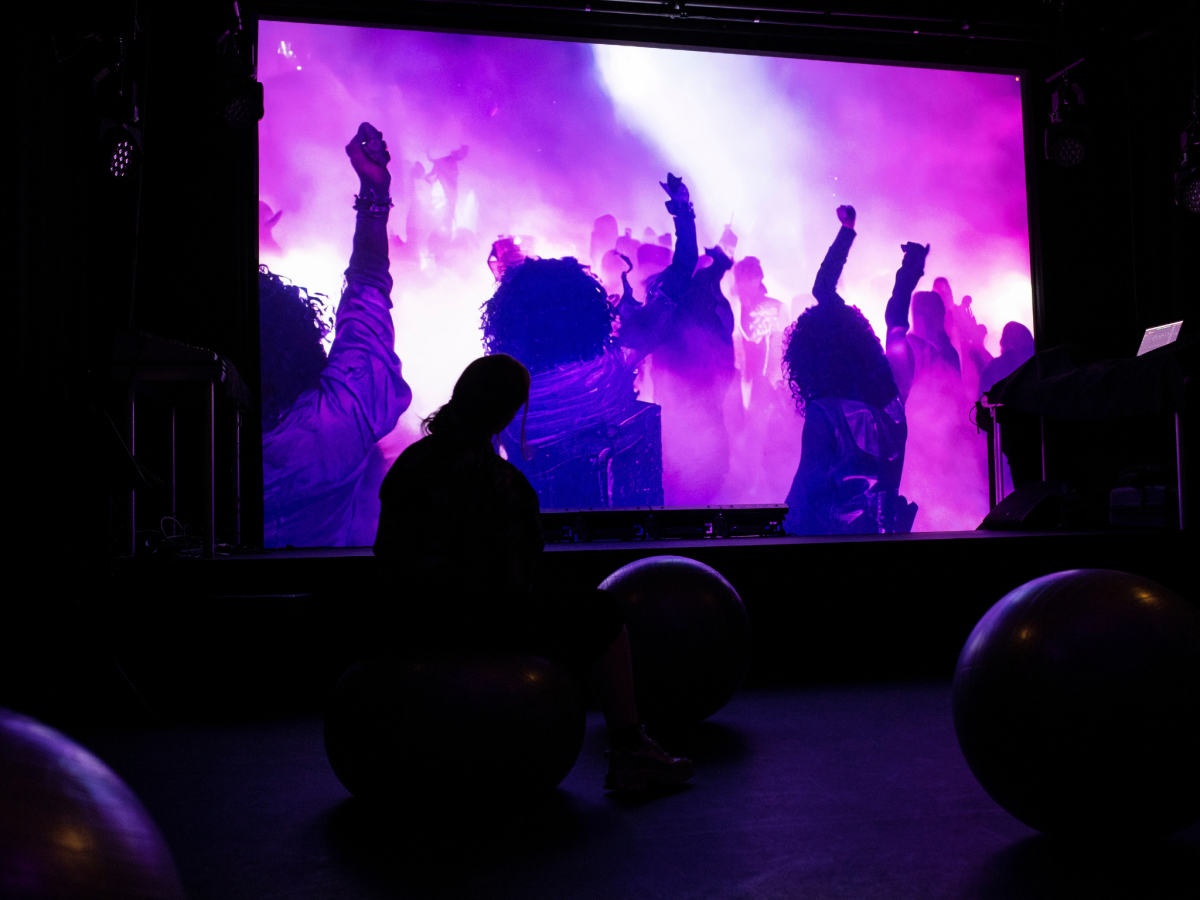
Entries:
{"x":748,"y":278}
{"x":929,"y":315}
{"x":293,"y":326}
{"x":487,"y":396}
{"x":1016,"y":340}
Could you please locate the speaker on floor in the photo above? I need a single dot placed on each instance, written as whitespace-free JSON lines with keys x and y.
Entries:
{"x":1036,"y":506}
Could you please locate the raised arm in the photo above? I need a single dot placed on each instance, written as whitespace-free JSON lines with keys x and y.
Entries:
{"x":899,"y":351}
{"x":369,"y":259}
{"x":313,"y":460}
{"x":642,"y":326}
{"x":825,"y":287}
{"x":363,"y":376}
{"x":677,"y":277}
{"x":361,"y":393}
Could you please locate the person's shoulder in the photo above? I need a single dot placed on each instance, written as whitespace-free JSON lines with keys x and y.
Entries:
{"x":822,"y":412}
{"x":418,"y":450}
{"x":410,"y":459}
{"x":505,"y":469}
{"x":512,"y":477}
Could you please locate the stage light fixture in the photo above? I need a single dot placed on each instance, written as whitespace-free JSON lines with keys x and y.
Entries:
{"x":1187,"y":178}
{"x":122,"y":151}
{"x":245,"y":106}
{"x":1067,"y":135}
{"x":120,"y":161}
{"x":239,"y":94}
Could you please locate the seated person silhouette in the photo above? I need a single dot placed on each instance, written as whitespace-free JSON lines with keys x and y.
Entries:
{"x":459,"y":528}
{"x":852,"y":397}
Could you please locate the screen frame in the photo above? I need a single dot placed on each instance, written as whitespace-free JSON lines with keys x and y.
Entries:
{"x":1005,"y":57}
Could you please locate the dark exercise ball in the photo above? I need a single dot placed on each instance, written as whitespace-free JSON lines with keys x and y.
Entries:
{"x":69,"y":827}
{"x":689,"y":635}
{"x":469,"y":725}
{"x":1077,"y":705}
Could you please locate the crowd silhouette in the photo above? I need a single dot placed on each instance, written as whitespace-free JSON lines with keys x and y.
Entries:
{"x":651,"y":384}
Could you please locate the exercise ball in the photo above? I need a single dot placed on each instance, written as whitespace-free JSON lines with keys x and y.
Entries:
{"x":1077,"y":705}
{"x":69,"y":827}
{"x":441,"y":724}
{"x":689,"y":636}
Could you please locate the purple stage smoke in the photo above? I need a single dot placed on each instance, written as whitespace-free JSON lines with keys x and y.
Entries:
{"x":558,"y":134}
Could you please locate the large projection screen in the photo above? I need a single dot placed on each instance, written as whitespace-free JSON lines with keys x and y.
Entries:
{"x":539,"y":140}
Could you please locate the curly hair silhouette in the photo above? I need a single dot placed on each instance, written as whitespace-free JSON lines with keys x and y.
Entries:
{"x":291,"y":332}
{"x":547,"y":313}
{"x":832,"y":351}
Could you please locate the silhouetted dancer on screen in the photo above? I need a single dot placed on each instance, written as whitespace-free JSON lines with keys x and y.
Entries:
{"x":967,"y":336}
{"x":763,"y":319}
{"x":693,"y":361}
{"x":929,"y":341}
{"x":316,"y":458}
{"x":1016,"y":348}
{"x":852,"y":396}
{"x":459,"y":528}
{"x":587,"y":441}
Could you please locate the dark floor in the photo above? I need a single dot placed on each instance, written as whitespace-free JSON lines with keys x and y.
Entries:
{"x":807,"y":793}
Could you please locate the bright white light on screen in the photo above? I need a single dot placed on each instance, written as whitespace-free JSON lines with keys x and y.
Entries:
{"x":739,"y":143}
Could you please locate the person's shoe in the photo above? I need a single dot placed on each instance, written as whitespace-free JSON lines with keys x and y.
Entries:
{"x":646,"y":765}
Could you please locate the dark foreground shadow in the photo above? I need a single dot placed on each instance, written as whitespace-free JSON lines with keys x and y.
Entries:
{"x":637,"y":799}
{"x":435,"y":842}
{"x":1039,"y":867}
{"x":705,"y":743}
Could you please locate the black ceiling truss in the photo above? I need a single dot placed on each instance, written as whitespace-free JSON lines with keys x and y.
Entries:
{"x":777,"y":16}
{"x":988,"y":34}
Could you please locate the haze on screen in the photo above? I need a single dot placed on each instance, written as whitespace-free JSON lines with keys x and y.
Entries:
{"x":560,"y":133}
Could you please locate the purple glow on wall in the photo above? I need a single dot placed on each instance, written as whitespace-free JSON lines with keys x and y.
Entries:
{"x":561,"y":133}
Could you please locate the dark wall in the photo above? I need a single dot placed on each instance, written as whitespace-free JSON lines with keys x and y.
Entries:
{"x":1117,"y":255}
{"x":271,"y":634}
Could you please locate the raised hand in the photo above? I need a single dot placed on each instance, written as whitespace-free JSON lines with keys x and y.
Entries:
{"x":719,"y":258}
{"x":914,"y":254}
{"x":675,"y":188}
{"x":845,"y":215}
{"x":680,"y":203}
{"x":369,"y":155}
